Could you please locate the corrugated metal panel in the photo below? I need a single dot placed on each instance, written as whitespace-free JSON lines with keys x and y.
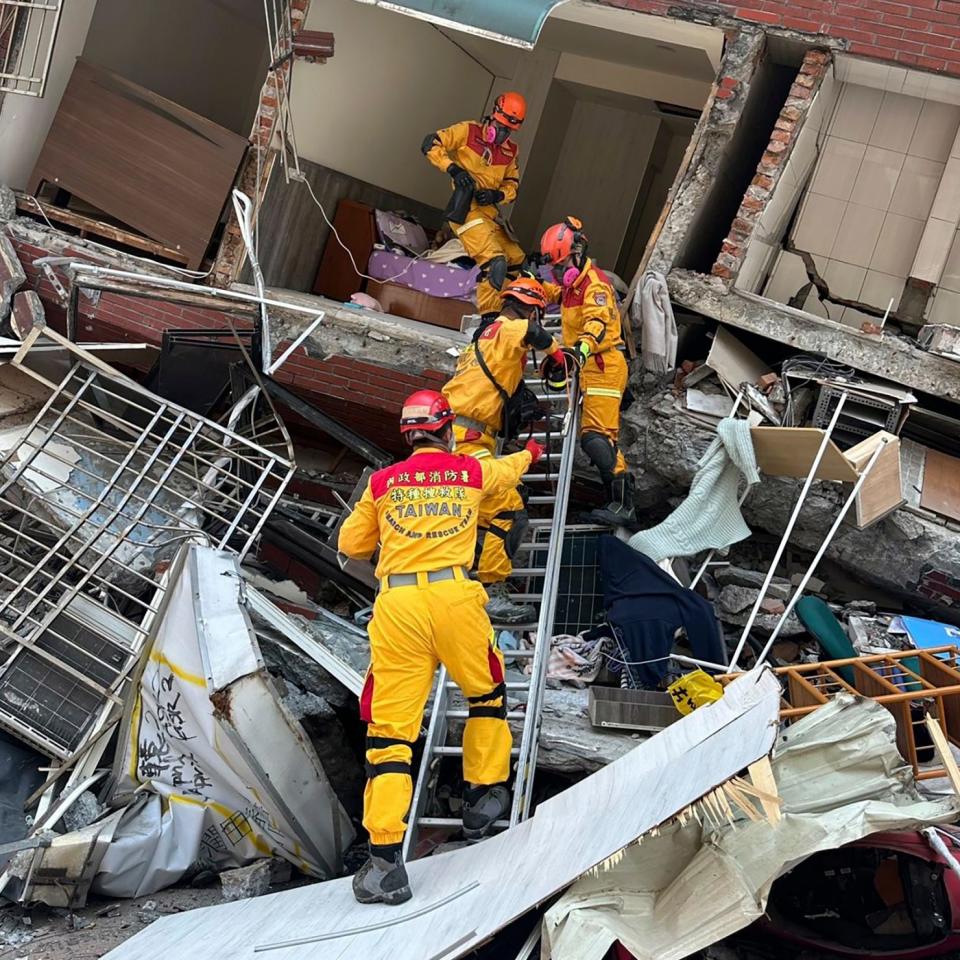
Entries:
{"x":516,"y":22}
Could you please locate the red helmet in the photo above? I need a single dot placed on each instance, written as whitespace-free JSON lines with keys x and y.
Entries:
{"x":510,"y":109}
{"x":562,"y":239}
{"x":527,"y":290}
{"x":425,"y":410}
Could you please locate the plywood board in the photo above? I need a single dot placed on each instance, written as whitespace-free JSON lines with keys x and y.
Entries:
{"x":941,"y":485}
{"x":734,"y":362}
{"x":882,"y":491}
{"x":790,"y":452}
{"x":463,"y":897}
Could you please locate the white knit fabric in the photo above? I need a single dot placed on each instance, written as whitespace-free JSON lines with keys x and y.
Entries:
{"x":658,"y":335}
{"x":710,"y":518}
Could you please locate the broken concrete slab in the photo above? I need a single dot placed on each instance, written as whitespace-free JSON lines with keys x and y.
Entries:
{"x":362,"y":334}
{"x":890,"y":357}
{"x":741,"y":577}
{"x":8,"y":204}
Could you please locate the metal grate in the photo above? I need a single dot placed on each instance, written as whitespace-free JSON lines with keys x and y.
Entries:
{"x":28,"y":32}
{"x":580,"y":593}
{"x":97,"y":495}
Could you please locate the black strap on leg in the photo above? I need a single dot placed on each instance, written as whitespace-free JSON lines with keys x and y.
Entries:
{"x":388,"y":766}
{"x":497,"y":713}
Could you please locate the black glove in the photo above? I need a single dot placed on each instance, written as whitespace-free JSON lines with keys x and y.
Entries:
{"x":461,"y":178}
{"x":487,"y":197}
{"x":531,"y":265}
{"x":553,"y":374}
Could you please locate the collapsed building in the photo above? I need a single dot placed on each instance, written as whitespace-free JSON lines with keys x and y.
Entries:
{"x":195,"y":389}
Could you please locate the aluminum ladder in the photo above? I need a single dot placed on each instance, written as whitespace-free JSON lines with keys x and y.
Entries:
{"x":549,"y":483}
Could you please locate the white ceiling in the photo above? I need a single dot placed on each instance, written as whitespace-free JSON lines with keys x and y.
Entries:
{"x":616,"y":36}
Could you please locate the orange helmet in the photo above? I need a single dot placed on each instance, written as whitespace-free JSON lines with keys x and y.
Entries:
{"x":425,"y":410}
{"x":527,"y":290}
{"x":562,"y":239}
{"x":510,"y":109}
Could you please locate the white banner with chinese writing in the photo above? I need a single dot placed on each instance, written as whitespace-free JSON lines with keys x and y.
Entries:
{"x":229,"y":774}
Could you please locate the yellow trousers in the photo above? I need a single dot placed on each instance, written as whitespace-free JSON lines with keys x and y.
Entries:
{"x":602,"y":382}
{"x":414,"y":628}
{"x":494,"y":565}
{"x":485,"y":240}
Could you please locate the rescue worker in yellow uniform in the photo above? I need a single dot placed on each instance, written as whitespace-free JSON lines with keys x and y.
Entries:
{"x":481,"y":159}
{"x":592,"y":336}
{"x":488,"y":373}
{"x":423,"y":513}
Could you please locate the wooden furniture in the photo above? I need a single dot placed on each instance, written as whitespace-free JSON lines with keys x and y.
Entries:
{"x":414,"y":305}
{"x":928,"y":679}
{"x":336,"y":277}
{"x":141,"y":159}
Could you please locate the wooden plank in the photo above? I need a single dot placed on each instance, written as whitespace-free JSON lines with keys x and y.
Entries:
{"x":944,"y":752}
{"x":882,"y":491}
{"x":34,"y":207}
{"x":142,"y":159}
{"x":941,"y":485}
{"x":790,"y":451}
{"x":761,"y":776}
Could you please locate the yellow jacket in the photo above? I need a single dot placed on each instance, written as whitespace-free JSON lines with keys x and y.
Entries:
{"x":588,"y":310}
{"x":423,"y":510}
{"x":492,"y":166}
{"x":504,"y":346}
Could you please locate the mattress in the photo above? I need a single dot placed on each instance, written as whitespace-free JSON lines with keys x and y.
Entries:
{"x":435,"y":279}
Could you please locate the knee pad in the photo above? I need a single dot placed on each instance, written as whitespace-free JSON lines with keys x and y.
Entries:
{"x":602,"y":454}
{"x":477,"y":707}
{"x":495,"y":272}
{"x":388,"y":766}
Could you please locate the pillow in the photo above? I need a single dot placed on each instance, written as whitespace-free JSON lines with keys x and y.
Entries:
{"x":398,"y":233}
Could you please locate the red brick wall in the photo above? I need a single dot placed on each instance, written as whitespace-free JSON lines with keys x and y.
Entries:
{"x":363,"y":395}
{"x":918,"y":33}
{"x":771,"y":165}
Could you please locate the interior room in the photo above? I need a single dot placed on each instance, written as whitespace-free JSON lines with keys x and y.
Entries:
{"x":862,"y":229}
{"x":613,"y":97}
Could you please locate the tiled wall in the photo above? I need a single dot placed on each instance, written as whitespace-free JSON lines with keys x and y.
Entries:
{"x":869,"y":200}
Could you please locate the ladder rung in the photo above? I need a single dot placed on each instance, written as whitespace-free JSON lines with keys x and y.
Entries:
{"x":515,"y":627}
{"x":510,"y":685}
{"x":451,"y":822}
{"x":542,"y":500}
{"x":538,"y":476}
{"x":514,"y":654}
{"x":526,"y":596}
{"x":463,"y":715}
{"x":528,"y":571}
{"x":458,"y":752}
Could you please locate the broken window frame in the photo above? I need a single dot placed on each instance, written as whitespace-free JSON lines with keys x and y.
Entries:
{"x":83,"y":566}
{"x":28,"y":29}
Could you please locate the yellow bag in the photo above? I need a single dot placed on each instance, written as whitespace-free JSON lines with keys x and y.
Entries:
{"x":694,"y":690}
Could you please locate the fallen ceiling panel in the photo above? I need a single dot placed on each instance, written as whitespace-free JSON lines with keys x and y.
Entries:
{"x":464,"y":897}
{"x":840,"y":778}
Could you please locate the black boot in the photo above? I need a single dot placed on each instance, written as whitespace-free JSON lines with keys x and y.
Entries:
{"x":620,"y":511}
{"x":383,"y":878}
{"x":482,"y":807}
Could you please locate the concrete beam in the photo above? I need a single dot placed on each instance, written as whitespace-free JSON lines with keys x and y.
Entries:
{"x":889,"y":356}
{"x":394,"y":342}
